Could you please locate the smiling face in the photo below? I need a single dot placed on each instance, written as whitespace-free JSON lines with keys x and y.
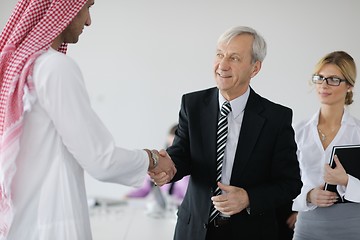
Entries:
{"x":233,"y":67}
{"x":74,"y":29}
{"x":332,"y":95}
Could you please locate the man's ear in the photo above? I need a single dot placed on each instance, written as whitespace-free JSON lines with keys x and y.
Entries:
{"x":256,"y":68}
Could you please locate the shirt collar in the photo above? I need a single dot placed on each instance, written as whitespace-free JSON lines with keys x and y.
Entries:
{"x":238,"y":104}
{"x":346,"y":118}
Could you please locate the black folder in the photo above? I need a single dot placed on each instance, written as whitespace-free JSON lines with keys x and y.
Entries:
{"x":349,"y":157}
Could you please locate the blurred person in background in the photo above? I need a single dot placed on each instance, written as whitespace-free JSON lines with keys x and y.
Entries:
{"x":175,"y":189}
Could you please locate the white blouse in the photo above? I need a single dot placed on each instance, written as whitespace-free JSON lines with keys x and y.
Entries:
{"x":312,"y":157}
{"x":62,"y":137}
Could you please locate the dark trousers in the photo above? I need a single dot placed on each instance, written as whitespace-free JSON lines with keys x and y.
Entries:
{"x":218,"y":233}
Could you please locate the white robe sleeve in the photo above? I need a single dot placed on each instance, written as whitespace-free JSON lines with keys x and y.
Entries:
{"x":62,"y":93}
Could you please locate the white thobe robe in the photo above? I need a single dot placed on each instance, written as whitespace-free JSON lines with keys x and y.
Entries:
{"x":62,"y":136}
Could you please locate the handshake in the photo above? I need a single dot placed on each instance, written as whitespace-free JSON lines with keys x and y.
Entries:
{"x":161,"y":168}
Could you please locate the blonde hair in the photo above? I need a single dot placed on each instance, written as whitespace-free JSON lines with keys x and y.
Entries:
{"x":346,"y":65}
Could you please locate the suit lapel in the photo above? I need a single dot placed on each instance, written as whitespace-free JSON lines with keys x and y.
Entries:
{"x":250,"y":129}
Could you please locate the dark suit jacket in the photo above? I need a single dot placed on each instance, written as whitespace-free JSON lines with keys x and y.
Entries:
{"x":265,"y":164}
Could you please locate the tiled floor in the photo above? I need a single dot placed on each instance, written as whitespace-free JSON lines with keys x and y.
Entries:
{"x":133,"y":220}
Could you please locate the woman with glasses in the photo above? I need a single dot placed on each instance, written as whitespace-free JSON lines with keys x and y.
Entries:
{"x":320,"y":215}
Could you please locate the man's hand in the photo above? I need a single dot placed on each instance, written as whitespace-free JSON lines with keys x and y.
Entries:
{"x":164,"y":171}
{"x":291,"y":220}
{"x":233,"y":201}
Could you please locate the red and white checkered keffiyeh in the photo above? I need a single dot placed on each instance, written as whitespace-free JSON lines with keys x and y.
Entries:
{"x":31,"y":29}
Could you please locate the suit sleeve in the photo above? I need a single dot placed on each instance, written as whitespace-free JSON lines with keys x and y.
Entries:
{"x":180,"y":149}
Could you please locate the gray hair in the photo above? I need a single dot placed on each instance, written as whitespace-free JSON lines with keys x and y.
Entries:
{"x":259,"y":44}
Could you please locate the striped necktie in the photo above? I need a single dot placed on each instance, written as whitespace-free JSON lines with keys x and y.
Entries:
{"x":222,"y":132}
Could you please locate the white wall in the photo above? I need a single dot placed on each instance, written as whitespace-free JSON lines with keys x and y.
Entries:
{"x":140,"y":56}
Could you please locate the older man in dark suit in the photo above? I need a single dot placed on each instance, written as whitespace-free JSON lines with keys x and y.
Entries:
{"x":238,"y":149}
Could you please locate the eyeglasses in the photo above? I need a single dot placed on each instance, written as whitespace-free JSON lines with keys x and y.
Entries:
{"x":332,"y":81}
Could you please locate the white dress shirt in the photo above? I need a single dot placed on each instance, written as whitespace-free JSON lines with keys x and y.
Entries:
{"x":312,"y":157}
{"x":61,"y":137}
